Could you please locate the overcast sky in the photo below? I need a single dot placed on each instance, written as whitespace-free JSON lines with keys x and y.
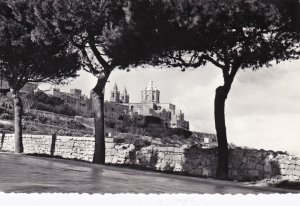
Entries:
{"x":262,"y":109}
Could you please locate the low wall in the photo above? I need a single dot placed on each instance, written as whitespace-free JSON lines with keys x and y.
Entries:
{"x":244,"y":164}
{"x":80,"y":148}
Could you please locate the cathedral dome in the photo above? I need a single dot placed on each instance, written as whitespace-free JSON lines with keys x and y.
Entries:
{"x":151,"y":86}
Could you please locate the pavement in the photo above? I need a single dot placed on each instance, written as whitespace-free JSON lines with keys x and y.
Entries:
{"x":30,"y":174}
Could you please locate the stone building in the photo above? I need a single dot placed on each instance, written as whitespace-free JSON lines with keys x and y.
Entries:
{"x":80,"y":103}
{"x":28,"y":87}
{"x":149,"y":106}
{"x":115,"y":111}
{"x":6,"y":99}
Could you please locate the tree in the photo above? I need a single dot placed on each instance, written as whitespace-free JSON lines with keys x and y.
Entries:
{"x":87,"y":22}
{"x":31,"y":51}
{"x":231,"y":34}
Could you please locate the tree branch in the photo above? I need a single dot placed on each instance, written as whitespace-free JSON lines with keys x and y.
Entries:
{"x":106,"y":66}
{"x":88,"y":62}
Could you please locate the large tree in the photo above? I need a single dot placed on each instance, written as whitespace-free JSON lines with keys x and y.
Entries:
{"x":31,"y":51}
{"x":230,"y":34}
{"x":87,"y":23}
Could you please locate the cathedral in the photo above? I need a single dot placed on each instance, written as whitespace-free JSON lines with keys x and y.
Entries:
{"x":149,"y":106}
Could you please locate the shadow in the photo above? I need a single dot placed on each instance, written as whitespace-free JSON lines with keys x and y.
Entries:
{"x":287,"y":185}
{"x":244,"y":164}
{"x":53,"y":141}
{"x":200,"y":162}
{"x":252,"y":164}
{"x":2,"y":140}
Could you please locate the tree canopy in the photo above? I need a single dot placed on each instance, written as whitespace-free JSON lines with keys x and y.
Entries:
{"x":231,"y":34}
{"x":30,"y":50}
{"x":190,"y":33}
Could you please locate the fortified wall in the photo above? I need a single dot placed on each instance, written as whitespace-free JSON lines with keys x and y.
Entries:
{"x":244,"y":164}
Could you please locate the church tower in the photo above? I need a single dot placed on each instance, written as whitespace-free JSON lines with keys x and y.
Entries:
{"x":150,"y":94}
{"x":115,"y":94}
{"x":125,"y":96}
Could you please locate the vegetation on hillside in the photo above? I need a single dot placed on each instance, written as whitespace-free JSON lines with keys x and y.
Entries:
{"x":44,"y":102}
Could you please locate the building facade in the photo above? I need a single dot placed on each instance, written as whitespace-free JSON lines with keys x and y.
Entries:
{"x":27,"y":89}
{"x":80,"y":103}
{"x":149,"y":106}
{"x":6,"y":98}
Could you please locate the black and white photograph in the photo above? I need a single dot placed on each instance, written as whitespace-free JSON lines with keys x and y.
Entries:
{"x":150,"y":97}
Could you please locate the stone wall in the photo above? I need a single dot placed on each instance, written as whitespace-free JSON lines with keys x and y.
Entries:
{"x":80,"y":148}
{"x":244,"y":164}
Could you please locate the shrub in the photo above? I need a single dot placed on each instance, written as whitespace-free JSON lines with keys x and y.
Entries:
{"x":140,"y":143}
{"x":110,"y":124}
{"x":6,"y":116}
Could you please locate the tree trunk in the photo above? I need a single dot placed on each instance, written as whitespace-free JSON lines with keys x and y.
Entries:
{"x":220,"y":98}
{"x":18,"y":107}
{"x":97,"y":97}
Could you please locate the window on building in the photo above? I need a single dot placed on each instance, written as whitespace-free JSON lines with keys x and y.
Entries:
{"x":153,"y":97}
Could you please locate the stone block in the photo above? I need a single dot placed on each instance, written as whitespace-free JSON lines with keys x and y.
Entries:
{"x":253,"y":173}
{"x":161,"y":155}
{"x":206,"y":172}
{"x":162,"y":166}
{"x":282,"y":166}
{"x":176,"y":158}
{"x":170,"y":149}
{"x":198,"y":171}
{"x":297,"y":167}
{"x":267,"y":168}
{"x":114,"y":160}
{"x":259,"y":167}
{"x":298,"y":162}
{"x":177,"y":167}
{"x":296,"y":172}
{"x":161,"y":149}
{"x":252,"y":165}
{"x":109,"y":140}
{"x":178,"y":149}
{"x":287,"y":161}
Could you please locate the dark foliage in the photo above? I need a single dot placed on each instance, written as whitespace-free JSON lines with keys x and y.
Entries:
{"x":231,"y":34}
{"x":44,"y":102}
{"x":151,"y":120}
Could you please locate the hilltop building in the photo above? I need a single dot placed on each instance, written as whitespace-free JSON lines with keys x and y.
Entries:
{"x":6,"y":97}
{"x":149,"y":106}
{"x":28,"y":88}
{"x":74,"y":99}
{"x":117,"y":107}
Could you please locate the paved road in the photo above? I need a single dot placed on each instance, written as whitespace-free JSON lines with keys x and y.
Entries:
{"x":28,"y":174}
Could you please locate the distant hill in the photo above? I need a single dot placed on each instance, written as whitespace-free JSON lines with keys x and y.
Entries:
{"x":48,"y":115}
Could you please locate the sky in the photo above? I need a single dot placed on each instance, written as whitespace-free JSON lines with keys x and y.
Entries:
{"x":262,"y":109}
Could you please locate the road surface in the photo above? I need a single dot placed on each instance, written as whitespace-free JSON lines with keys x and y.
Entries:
{"x":28,"y":174}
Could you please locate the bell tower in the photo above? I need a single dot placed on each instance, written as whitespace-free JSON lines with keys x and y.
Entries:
{"x":115,"y":94}
{"x":125,"y":96}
